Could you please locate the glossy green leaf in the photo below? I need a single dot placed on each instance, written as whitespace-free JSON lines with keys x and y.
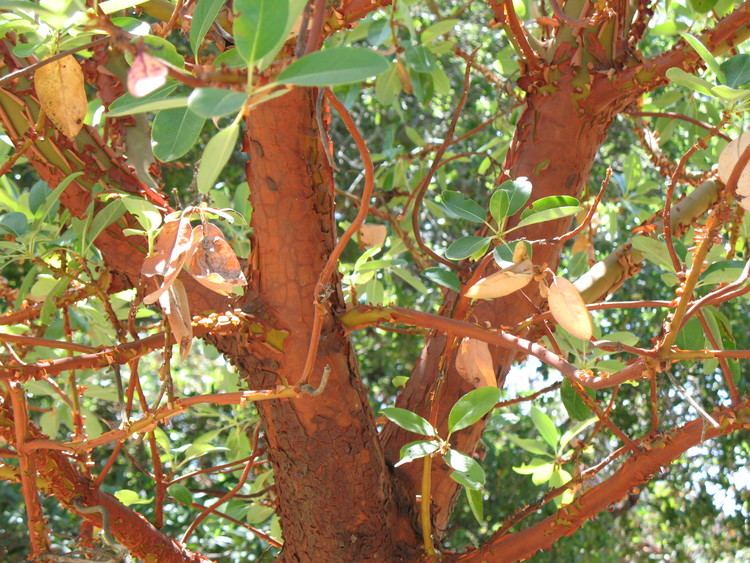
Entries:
{"x":476,"y":503}
{"x":443,"y":276}
{"x":258,"y":27}
{"x":415,"y":450}
{"x":544,"y":425}
{"x":181,"y":494}
{"x":203,"y":18}
{"x":548,"y":215}
{"x":737,"y":70}
{"x":458,"y":206}
{"x":705,"y":54}
{"x":519,"y":192}
{"x":467,"y":246}
{"x":500,"y":206}
{"x":155,"y":101}
{"x":472,"y":407}
{"x":574,"y":430}
{"x":174,"y":133}
{"x":471,"y":473}
{"x":532,"y":446}
{"x":108,"y":215}
{"x":687,"y":80}
{"x":216,"y":155}
{"x":334,"y":66}
{"x":215,"y":102}
{"x":409,"y":421}
{"x":574,"y":405}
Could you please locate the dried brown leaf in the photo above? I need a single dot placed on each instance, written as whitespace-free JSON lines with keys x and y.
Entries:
{"x":174,"y":303}
{"x":729,"y":157}
{"x":212,"y":262}
{"x":502,"y":283}
{"x":171,"y":250}
{"x":146,"y":74}
{"x":474,"y":363}
{"x":59,"y":87}
{"x":568,"y":308}
{"x":372,"y":235}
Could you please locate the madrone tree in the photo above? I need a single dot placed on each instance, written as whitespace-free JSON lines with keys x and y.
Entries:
{"x":496,"y":181}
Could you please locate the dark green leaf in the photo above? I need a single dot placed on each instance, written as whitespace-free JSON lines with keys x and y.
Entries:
{"x":334,"y":66}
{"x":420,"y":59}
{"x":737,"y":70}
{"x":476,"y":503}
{"x":577,"y":409}
{"x":108,"y":215}
{"x":472,"y":407}
{"x":409,"y":421}
{"x":14,"y":223}
{"x":442,"y":276}
{"x":519,"y":192}
{"x":181,"y":494}
{"x":155,"y":101}
{"x":691,"y":335}
{"x":458,"y":206}
{"x":174,"y":133}
{"x":499,"y":205}
{"x":703,"y":6}
{"x":467,"y":246}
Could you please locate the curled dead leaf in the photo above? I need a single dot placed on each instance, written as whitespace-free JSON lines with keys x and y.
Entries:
{"x":502,"y":283}
{"x":568,"y":308}
{"x":171,"y":249}
{"x":372,"y":235}
{"x":212,"y":261}
{"x":174,"y":303}
{"x":59,"y":87}
{"x":146,"y":74}
{"x":729,"y":157}
{"x":474,"y":363}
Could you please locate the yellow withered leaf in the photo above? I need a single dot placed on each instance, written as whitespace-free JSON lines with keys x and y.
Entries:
{"x":474,"y":363}
{"x":372,"y":235}
{"x":568,"y":308}
{"x":59,"y":87}
{"x":729,"y":157}
{"x":502,"y":283}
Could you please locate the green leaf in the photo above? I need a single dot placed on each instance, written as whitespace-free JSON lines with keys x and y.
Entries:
{"x":203,"y":18}
{"x":705,"y":54}
{"x":295,"y":8}
{"x":548,"y":215}
{"x":147,"y":213}
{"x":532,"y":446}
{"x":476,"y":503}
{"x":215,"y":156}
{"x":443,"y":276}
{"x":410,"y":278}
{"x":199,"y":449}
{"x":437,"y":29}
{"x":519,"y":192}
{"x":409,"y":421}
{"x":654,"y":251}
{"x":155,"y":101}
{"x":415,"y":450}
{"x":545,"y":426}
{"x":574,"y":430}
{"x":691,"y":335}
{"x":334,"y":66}
{"x":420,"y":59}
{"x":574,"y":405}
{"x":458,"y":206}
{"x":703,"y":6}
{"x":466,"y":247}
{"x":542,"y":473}
{"x":472,"y":407}
{"x":130,"y":498}
{"x":215,"y":102}
{"x":174,"y":133}
{"x":499,"y":206}
{"x":14,"y":223}
{"x":471,"y":473}
{"x":687,"y":80}
{"x":108,"y":215}
{"x":531,"y":467}
{"x":388,"y":85}
{"x":737,"y":70}
{"x":258,"y":27}
{"x":549,"y":202}
{"x":181,"y":494}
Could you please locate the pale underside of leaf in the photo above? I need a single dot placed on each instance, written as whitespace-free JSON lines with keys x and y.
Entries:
{"x":568,"y":308}
{"x":728,"y":159}
{"x":474,"y":363}
{"x":372,"y":235}
{"x":504,"y":282}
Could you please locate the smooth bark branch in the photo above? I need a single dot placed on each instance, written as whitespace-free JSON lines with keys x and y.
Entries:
{"x":658,"y":453}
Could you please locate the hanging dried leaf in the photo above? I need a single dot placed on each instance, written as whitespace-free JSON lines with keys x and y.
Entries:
{"x":171,"y":250}
{"x":504,"y":282}
{"x":729,"y":157}
{"x":212,"y":262}
{"x":474,"y":363}
{"x":174,"y":303}
{"x":372,"y":235}
{"x":59,"y":87}
{"x":568,"y":308}
{"x":146,"y":74}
